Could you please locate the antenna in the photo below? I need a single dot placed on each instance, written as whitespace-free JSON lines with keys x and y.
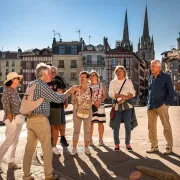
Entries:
{"x":59,"y":35}
{"x":89,"y":39}
{"x":78,"y":31}
{"x":54,"y":33}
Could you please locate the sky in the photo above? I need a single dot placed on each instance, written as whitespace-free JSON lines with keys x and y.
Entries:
{"x":29,"y":24}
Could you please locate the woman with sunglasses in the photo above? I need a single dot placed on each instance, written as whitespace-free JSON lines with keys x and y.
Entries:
{"x":99,"y":115}
{"x":127,"y":92}
{"x":11,"y":105}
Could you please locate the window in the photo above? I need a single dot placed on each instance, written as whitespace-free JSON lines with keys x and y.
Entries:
{"x":113,"y":62}
{"x":136,"y":76}
{"x":61,"y":74}
{"x":73,"y":50}
{"x":28,"y":77}
{"x":99,"y":71}
{"x":12,"y":70}
{"x":89,"y":59}
{"x":21,"y":63}
{"x":61,"y":50}
{"x":21,"y":71}
{"x":73,"y":64}
{"x":126,"y":63}
{"x":99,"y":59}
{"x":13,"y":63}
{"x":3,"y":56}
{"x":7,"y":63}
{"x":61,"y":64}
{"x":73,"y":77}
{"x":7,"y":71}
{"x":28,"y":65}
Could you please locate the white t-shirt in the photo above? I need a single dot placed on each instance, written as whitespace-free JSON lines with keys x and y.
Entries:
{"x":115,"y":86}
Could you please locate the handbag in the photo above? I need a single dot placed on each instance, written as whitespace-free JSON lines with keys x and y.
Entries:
{"x":112,"y":112}
{"x":83,"y":113}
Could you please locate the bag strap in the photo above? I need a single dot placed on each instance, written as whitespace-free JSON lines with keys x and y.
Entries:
{"x":120,"y":90}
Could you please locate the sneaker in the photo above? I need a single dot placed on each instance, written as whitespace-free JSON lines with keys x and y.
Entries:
{"x":73,"y":152}
{"x":128,"y":147}
{"x":14,"y":166}
{"x":168,"y":151}
{"x":1,"y":171}
{"x":87,"y":151}
{"x":52,"y":178}
{"x":91,"y":143}
{"x":63,"y":141}
{"x":55,"y":150}
{"x":153,"y":149}
{"x":101,"y":143}
{"x":116,"y":148}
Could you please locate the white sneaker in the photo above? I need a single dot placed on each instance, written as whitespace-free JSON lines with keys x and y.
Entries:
{"x":55,"y":150}
{"x":153,"y":149}
{"x":101,"y":143}
{"x":73,"y":152}
{"x":87,"y":151}
{"x":168,"y":151}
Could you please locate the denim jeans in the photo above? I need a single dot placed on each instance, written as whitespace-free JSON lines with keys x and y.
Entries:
{"x":119,"y":116}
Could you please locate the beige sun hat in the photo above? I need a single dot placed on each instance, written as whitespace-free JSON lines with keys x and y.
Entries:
{"x":11,"y":76}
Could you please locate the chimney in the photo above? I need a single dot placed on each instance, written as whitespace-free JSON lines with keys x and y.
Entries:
{"x":178,"y":42}
{"x":60,"y":40}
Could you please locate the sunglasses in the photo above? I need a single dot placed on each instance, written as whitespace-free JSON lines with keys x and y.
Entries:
{"x":92,"y":75}
{"x":18,"y":78}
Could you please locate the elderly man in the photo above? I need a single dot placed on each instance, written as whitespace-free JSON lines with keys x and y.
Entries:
{"x":57,"y":114}
{"x":160,"y":95}
{"x":38,"y":123}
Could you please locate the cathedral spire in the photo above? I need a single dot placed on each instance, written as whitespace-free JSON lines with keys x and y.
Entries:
{"x":126,"y":31}
{"x":146,"y":26}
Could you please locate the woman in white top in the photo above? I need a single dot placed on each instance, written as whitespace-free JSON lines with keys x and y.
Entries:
{"x":126,"y":93}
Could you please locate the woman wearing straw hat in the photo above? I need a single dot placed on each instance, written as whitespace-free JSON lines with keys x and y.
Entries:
{"x":11,"y":105}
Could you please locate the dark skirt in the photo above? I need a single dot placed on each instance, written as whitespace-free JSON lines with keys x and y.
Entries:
{"x":57,"y":116}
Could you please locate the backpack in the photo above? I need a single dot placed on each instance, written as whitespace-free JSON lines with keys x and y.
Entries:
{"x":27,"y":103}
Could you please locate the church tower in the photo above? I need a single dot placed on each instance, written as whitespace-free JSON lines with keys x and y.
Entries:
{"x":125,"y":43}
{"x":146,"y":43}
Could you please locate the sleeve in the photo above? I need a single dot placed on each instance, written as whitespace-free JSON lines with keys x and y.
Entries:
{"x":50,"y":95}
{"x":6,"y":101}
{"x":131,"y":88}
{"x":170,"y":91}
{"x":111,"y":91}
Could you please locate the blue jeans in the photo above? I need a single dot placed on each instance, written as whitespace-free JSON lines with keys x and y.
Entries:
{"x":119,"y":116}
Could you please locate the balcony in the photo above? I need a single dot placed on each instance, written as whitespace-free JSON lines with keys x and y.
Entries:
{"x":61,"y":66}
{"x":93,"y":63}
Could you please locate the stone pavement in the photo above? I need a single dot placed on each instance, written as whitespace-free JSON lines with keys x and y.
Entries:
{"x":104,"y":163}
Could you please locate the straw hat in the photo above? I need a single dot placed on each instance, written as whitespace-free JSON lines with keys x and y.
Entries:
{"x":11,"y":76}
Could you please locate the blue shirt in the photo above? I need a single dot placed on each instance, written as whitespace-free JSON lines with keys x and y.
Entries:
{"x":160,"y":91}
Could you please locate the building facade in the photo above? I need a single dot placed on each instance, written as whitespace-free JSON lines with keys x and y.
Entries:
{"x":93,"y":59}
{"x":146,"y":43}
{"x":10,"y":61}
{"x":171,"y":65}
{"x":67,"y":57}
{"x":30,"y":59}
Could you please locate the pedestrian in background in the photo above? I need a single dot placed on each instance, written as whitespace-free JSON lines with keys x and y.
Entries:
{"x":160,"y":96}
{"x":57,"y":112}
{"x":127,"y":93}
{"x":82,"y":101}
{"x":11,"y":105}
{"x":98,"y":115}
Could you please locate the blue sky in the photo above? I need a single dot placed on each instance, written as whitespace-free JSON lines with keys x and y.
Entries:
{"x":29,"y":24}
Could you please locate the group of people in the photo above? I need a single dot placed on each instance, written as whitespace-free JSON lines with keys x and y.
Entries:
{"x":48,"y":120}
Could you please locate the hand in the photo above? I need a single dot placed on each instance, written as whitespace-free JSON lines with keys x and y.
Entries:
{"x":121,"y":101}
{"x":119,"y":96}
{"x":97,"y":103}
{"x":10,"y":117}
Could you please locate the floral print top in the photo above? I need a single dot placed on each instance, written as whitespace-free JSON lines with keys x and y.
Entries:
{"x":83,"y":100}
{"x":11,"y":102}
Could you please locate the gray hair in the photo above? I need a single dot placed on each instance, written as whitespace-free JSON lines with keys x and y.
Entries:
{"x":41,"y":68}
{"x":119,"y":67}
{"x":54,"y":67}
{"x":157,"y":62}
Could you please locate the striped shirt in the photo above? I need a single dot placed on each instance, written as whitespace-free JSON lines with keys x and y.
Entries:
{"x":42,"y":90}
